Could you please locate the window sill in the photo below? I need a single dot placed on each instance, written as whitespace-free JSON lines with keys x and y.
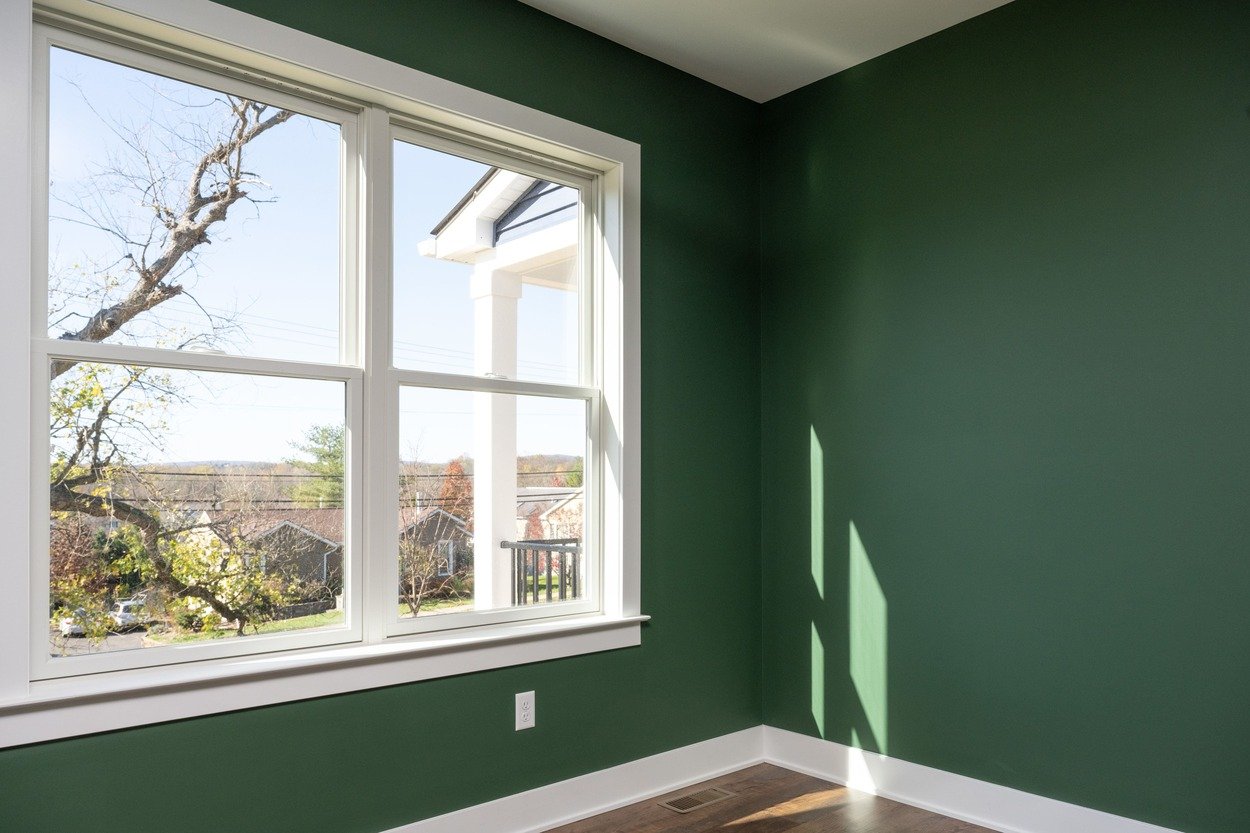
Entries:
{"x":104,"y":702}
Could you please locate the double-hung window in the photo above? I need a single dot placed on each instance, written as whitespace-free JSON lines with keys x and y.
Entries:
{"x":318,"y":368}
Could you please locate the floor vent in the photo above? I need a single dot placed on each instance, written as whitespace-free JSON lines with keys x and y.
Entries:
{"x":693,"y":801}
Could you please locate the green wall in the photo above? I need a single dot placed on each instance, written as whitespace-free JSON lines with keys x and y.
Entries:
{"x":378,"y":759}
{"x":995,"y":287}
{"x":1006,"y":280}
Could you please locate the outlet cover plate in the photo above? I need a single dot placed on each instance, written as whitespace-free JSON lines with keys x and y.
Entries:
{"x":525,"y":710}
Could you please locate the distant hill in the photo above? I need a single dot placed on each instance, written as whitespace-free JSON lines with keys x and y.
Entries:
{"x":217,"y":484}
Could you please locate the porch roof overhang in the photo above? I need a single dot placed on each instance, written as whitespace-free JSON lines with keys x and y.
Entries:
{"x":542,"y":253}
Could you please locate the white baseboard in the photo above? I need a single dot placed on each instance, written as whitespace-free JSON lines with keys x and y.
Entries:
{"x":967,"y":799}
{"x":597,"y":792}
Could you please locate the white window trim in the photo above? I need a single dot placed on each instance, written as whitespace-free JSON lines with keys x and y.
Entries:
{"x":47,"y":709}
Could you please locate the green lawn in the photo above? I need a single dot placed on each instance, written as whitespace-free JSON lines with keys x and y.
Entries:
{"x":446,"y":605}
{"x":330,"y":618}
{"x":318,"y":620}
{"x":541,"y":581}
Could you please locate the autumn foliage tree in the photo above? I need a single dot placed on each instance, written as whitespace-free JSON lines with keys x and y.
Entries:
{"x":455,"y":495}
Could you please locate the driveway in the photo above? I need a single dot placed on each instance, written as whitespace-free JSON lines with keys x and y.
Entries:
{"x":72,"y":646}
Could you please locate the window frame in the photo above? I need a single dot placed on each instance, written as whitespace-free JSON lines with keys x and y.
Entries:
{"x":199,"y":37}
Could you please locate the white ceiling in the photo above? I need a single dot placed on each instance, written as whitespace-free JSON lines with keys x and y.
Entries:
{"x":764,"y":48}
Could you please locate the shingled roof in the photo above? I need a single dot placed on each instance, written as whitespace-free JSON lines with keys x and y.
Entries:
{"x":326,"y":524}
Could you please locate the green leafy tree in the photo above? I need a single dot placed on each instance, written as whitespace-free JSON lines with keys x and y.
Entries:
{"x":230,"y":575}
{"x":324,"y":444}
{"x":574,"y":476}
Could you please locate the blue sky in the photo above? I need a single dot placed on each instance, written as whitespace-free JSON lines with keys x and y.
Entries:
{"x":273,"y":269}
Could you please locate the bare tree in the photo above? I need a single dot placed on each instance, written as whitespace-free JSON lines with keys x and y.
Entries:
{"x":431,"y":547}
{"x":433,"y":539}
{"x":181,"y":218}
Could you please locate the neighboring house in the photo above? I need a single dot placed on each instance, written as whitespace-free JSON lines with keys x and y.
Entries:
{"x":442,"y":533}
{"x":546,"y":513}
{"x":305,"y":545}
{"x":533,"y":505}
{"x":564,"y":519}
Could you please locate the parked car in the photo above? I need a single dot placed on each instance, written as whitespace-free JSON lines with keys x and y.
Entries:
{"x":75,"y":624}
{"x":128,"y":614}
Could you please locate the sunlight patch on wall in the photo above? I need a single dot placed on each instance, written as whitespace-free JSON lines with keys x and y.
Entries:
{"x":868,"y":637}
{"x":818,"y":681}
{"x":818,"y":514}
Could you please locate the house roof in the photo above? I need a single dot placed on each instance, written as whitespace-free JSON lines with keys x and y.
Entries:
{"x":527,"y":221}
{"x":520,"y":201}
{"x":542,"y":205}
{"x":465,"y":200}
{"x":325,"y":524}
{"x":490,"y":198}
{"x":542,"y":498}
{"x":410,"y":517}
{"x":562,"y":502}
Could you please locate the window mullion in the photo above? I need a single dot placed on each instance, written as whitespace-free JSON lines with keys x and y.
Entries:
{"x":381,"y":478}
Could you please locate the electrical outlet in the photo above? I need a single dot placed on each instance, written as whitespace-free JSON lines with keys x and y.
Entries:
{"x":525,"y":710}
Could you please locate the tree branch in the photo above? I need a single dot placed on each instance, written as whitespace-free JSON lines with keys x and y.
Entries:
{"x":187,"y":228}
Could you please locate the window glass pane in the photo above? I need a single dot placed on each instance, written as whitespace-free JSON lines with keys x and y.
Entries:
{"x":183,"y":217}
{"x":192,"y":506}
{"x":478,"y":470}
{"x":487,"y":277}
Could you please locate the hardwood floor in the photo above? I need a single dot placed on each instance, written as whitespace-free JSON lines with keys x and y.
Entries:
{"x":770,"y":800}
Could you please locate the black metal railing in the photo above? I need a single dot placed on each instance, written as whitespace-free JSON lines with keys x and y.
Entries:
{"x":550,"y":570}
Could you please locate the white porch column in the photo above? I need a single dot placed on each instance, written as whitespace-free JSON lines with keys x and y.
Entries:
{"x":495,"y":294}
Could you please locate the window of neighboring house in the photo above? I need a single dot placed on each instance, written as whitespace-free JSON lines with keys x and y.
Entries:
{"x":446,"y":558}
{"x":289,"y":341}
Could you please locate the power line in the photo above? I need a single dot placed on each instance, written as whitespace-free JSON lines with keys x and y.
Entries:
{"x":460,"y":357}
{"x":313,"y":476}
{"x":426,"y":503}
